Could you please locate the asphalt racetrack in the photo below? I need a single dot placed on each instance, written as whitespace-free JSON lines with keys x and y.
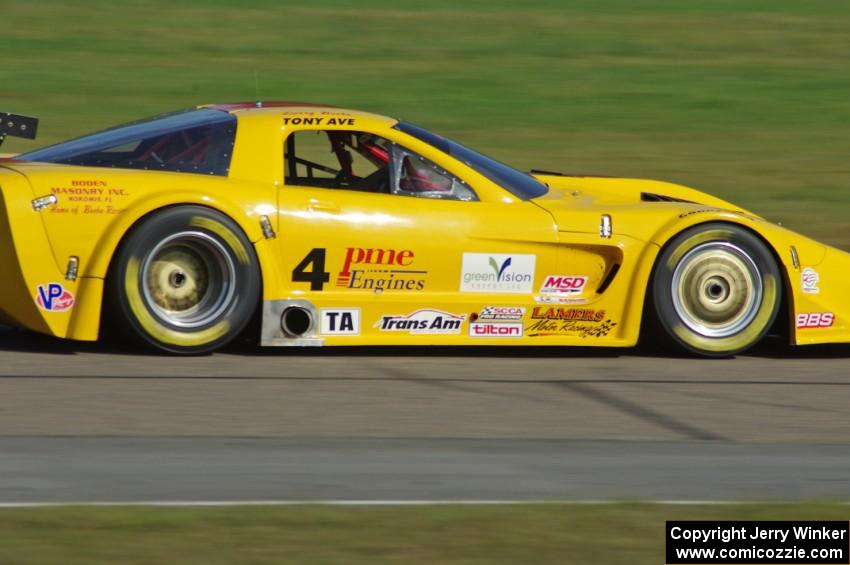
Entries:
{"x":81,"y":423}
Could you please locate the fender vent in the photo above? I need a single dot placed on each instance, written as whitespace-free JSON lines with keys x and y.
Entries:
{"x":652,"y":197}
{"x":609,"y":278}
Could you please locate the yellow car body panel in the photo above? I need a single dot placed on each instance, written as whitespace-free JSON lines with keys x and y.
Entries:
{"x":393,"y":262}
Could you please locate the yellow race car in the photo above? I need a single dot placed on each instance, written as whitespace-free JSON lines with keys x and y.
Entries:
{"x":319,"y":225}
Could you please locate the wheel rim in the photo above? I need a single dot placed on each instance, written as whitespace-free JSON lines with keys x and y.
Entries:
{"x":717,"y":289}
{"x":188,"y":279}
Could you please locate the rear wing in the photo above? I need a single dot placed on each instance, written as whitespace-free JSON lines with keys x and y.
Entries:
{"x":17,"y":126}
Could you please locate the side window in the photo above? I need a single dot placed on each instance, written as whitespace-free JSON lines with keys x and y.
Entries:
{"x":192,"y":141}
{"x":362,"y":161}
{"x":337,"y":159}
{"x":414,"y":175}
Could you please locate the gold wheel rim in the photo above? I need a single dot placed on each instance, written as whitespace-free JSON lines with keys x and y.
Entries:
{"x":188,"y":279}
{"x":717,"y":289}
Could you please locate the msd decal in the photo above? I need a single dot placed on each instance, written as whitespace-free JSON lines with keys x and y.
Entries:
{"x":810,"y":320}
{"x":53,"y":297}
{"x":424,"y":321}
{"x":561,"y":284}
{"x":493,"y":272}
{"x":489,"y":329}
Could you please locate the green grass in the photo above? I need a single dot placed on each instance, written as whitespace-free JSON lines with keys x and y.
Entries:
{"x":747,"y":99}
{"x":509,"y":534}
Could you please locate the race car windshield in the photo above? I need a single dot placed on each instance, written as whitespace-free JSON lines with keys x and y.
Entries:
{"x":519,"y":184}
{"x":190,"y":141}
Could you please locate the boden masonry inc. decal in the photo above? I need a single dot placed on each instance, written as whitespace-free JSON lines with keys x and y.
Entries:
{"x":497,"y":272}
{"x":424,"y":321}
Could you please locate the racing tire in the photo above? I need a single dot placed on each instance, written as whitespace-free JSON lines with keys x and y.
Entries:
{"x":716,"y":290}
{"x":185,"y":280}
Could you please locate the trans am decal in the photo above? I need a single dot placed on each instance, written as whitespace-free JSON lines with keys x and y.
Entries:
{"x":425,"y":321}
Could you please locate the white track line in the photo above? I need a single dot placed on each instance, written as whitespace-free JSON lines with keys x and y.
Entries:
{"x":226,"y":503}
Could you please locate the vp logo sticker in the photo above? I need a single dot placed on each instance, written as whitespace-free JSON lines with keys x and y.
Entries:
{"x":53,"y":297}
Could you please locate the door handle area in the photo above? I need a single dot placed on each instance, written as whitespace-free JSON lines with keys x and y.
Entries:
{"x":320,"y":206}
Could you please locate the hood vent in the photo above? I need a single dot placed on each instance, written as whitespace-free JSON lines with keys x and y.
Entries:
{"x":652,"y":197}
{"x":573,"y":175}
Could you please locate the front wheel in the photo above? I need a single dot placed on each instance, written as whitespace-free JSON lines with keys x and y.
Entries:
{"x":185,"y":280}
{"x":716,"y":290}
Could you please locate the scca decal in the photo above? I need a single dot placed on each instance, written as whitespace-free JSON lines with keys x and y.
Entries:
{"x":810,"y":320}
{"x":497,"y":313}
{"x":53,"y":297}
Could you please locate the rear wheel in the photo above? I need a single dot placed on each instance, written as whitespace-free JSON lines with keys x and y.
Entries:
{"x":716,"y":290}
{"x":185,"y":280}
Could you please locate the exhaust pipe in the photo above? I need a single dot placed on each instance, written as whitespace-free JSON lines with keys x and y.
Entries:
{"x":290,"y":322}
{"x":296,"y":321}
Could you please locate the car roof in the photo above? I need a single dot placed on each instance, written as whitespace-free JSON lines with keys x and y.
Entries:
{"x":230,"y":106}
{"x":283,"y":107}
